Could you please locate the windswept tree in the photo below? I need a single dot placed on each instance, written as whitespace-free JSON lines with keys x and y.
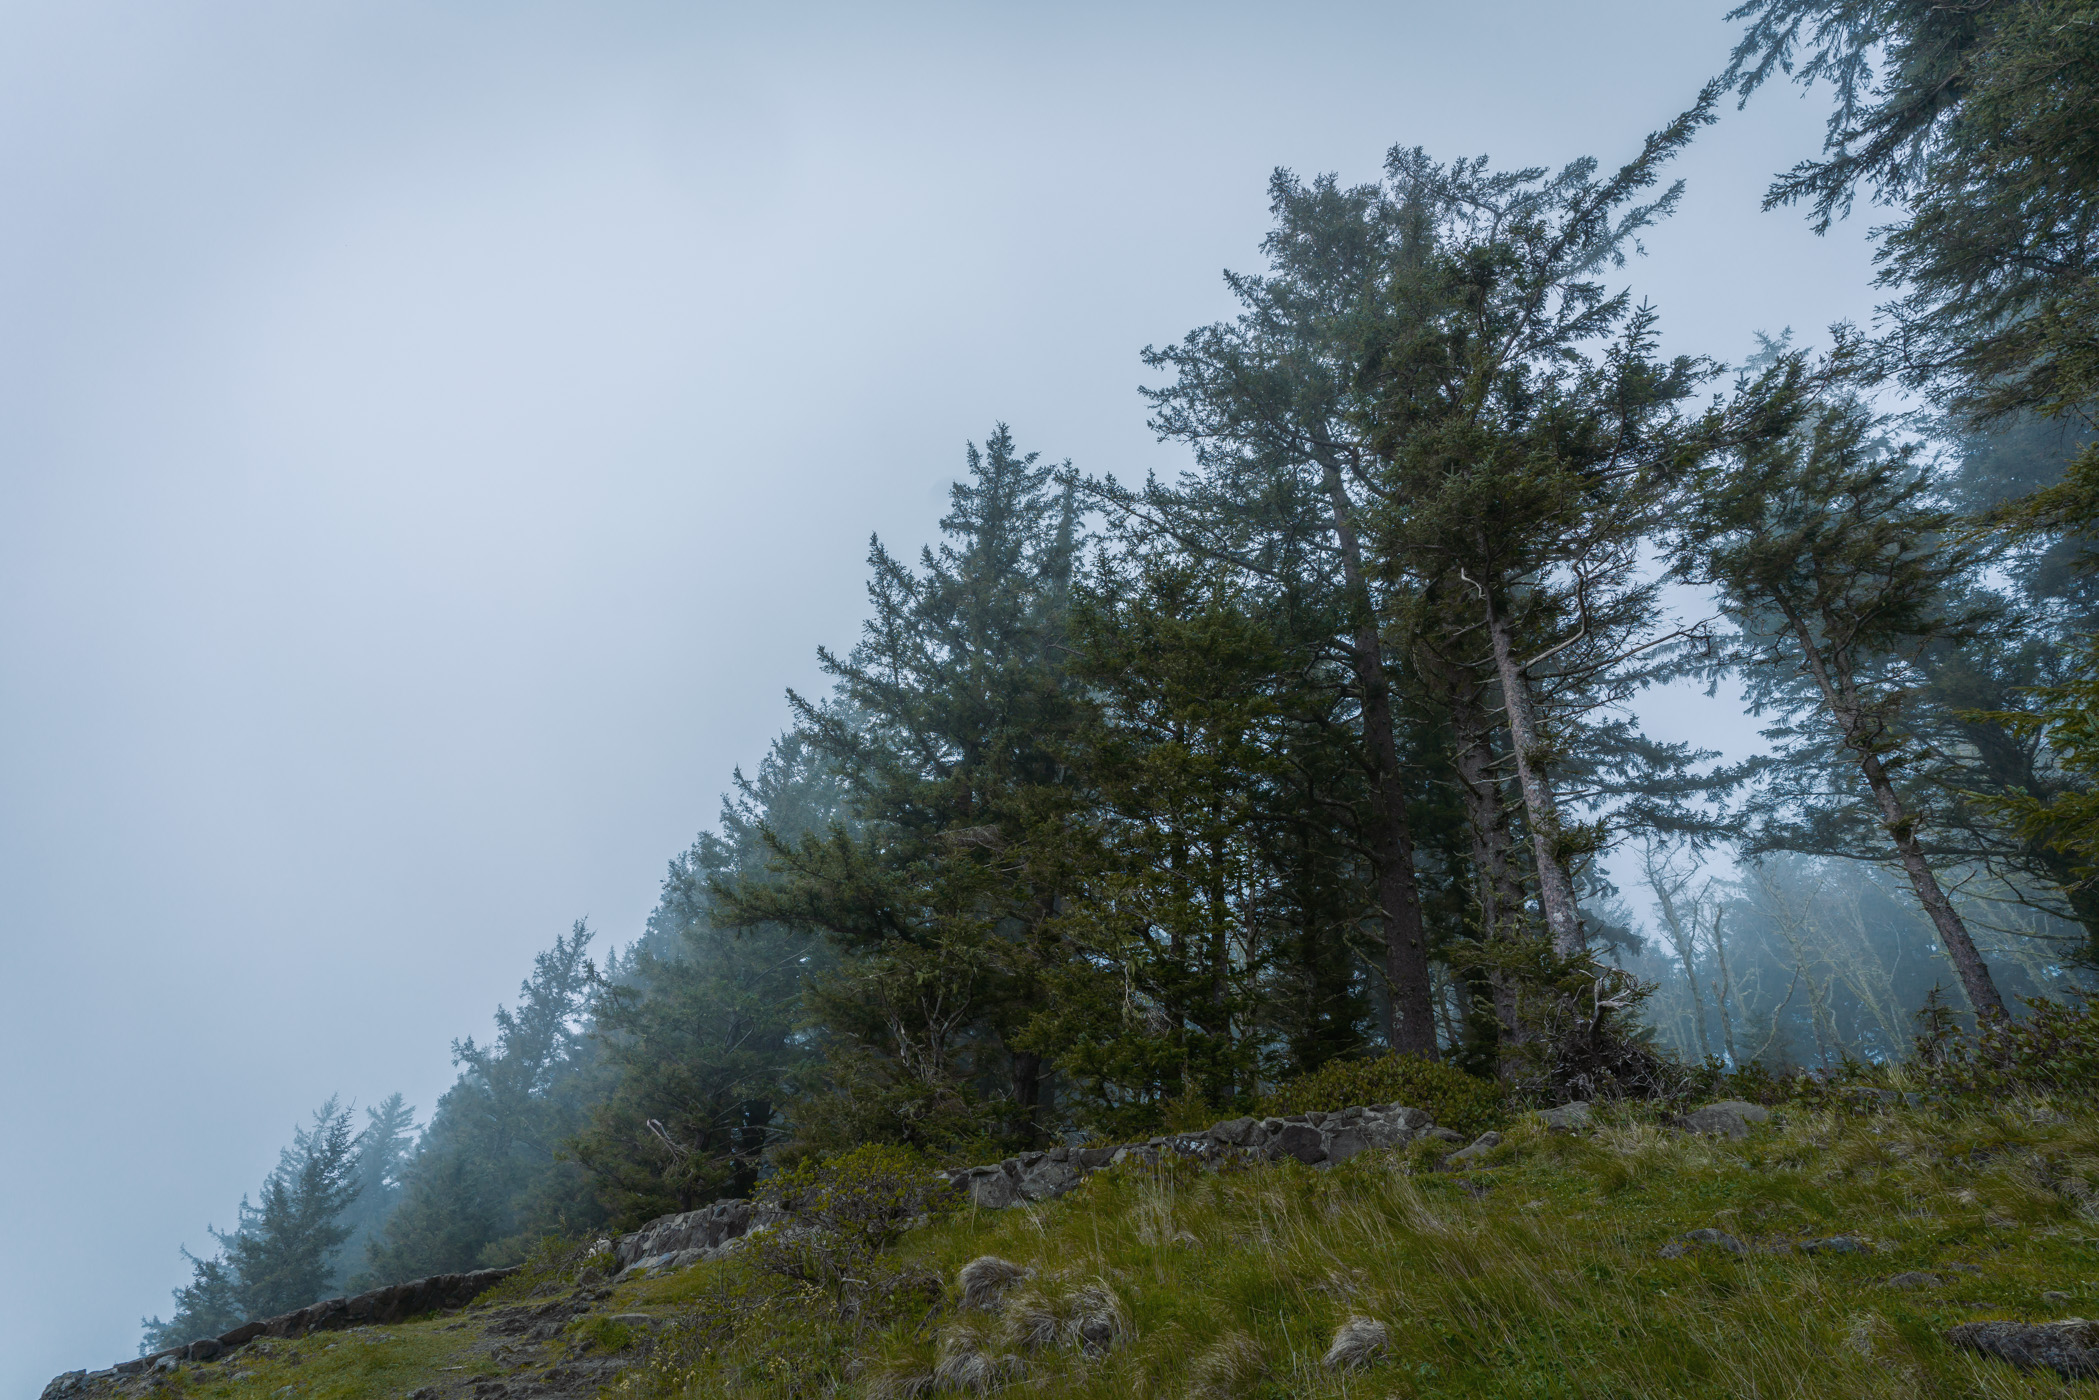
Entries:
{"x":1273,"y":404}
{"x":1524,"y":428}
{"x":1838,"y":570}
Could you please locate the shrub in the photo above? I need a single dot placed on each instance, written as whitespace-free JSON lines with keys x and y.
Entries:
{"x":555,"y":1265}
{"x":843,"y":1211}
{"x":1462,"y":1102}
{"x":2054,"y":1050}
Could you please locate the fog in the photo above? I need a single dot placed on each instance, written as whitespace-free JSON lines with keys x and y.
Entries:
{"x":432,"y":438}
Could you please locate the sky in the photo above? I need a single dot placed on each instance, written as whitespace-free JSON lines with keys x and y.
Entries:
{"x":433,"y":436}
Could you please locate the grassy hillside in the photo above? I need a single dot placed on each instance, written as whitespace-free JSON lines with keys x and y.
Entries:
{"x":1558,"y":1266}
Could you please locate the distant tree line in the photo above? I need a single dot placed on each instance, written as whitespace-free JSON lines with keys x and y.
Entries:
{"x":1135,"y":799}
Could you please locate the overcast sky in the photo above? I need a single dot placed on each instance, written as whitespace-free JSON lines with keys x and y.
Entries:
{"x":432,"y":436}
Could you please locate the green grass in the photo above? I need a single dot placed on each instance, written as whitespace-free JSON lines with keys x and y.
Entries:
{"x":362,"y":1362}
{"x":1538,"y":1274}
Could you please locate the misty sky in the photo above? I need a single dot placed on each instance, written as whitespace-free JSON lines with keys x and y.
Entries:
{"x":432,"y":436}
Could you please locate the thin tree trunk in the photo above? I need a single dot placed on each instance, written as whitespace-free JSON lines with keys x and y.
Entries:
{"x":1410,"y":1024}
{"x":1727,"y":991}
{"x":1555,"y":885}
{"x":1841,"y":696}
{"x":1499,"y":891}
{"x":1685,"y":951}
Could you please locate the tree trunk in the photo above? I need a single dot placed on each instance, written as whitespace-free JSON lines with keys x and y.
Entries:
{"x":1555,"y":884}
{"x":1410,"y":1024}
{"x":1498,"y":890}
{"x":1840,"y":694}
{"x":1685,"y":951}
{"x":1727,"y":994}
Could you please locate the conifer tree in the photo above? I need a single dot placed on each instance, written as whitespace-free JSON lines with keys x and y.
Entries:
{"x":942,"y":731}
{"x":1838,"y":570}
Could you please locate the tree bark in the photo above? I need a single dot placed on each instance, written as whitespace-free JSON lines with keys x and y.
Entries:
{"x":1840,"y":695}
{"x":1411,"y":1023}
{"x":1498,"y":889}
{"x":1555,"y":884}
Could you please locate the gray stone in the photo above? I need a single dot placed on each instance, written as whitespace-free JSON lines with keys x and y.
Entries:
{"x":2069,"y":1348}
{"x":1915,"y":1278}
{"x":1838,"y":1244}
{"x":2055,"y":1298}
{"x":1299,"y":1140}
{"x":1747,"y":1112}
{"x":1443,"y":1135}
{"x":1236,"y":1132}
{"x":1048,"y":1180}
{"x":1481,"y":1146}
{"x":1718,"y":1238}
{"x":1378,"y":1132}
{"x":1345,"y":1144}
{"x":1567,"y":1118}
{"x":992,"y":1190}
{"x":1713,"y":1122}
{"x":1092,"y":1159}
{"x":204,"y":1349}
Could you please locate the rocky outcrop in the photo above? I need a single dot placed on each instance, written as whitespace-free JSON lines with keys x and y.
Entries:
{"x":674,"y":1241}
{"x":1315,"y":1139}
{"x":2069,"y":1348}
{"x":396,"y":1303}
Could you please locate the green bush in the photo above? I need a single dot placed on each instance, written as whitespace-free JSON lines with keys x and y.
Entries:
{"x":1462,"y":1102}
{"x":556,"y":1264}
{"x":2054,"y":1050}
{"x":843,"y":1211}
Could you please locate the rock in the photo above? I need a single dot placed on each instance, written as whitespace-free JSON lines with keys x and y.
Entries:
{"x":1567,"y":1118}
{"x":2070,"y":1347}
{"x":1357,"y":1342}
{"x":1485,"y":1143}
{"x":1747,"y":1112}
{"x":1916,"y":1278}
{"x":1299,"y":1140}
{"x":1092,"y":1159}
{"x":1443,"y":1135}
{"x":991,"y":1189}
{"x":1712,"y":1122}
{"x":166,"y":1364}
{"x":1345,"y":1144}
{"x":1237,"y":1132}
{"x":1379,"y":1132}
{"x":1718,"y":1238}
{"x":1837,"y":1244}
{"x":2054,"y":1298}
{"x":1048,"y":1179}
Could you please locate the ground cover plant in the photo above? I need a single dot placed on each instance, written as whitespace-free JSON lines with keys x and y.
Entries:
{"x":1825,"y":1255}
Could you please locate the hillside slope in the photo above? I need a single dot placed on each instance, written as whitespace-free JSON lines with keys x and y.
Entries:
{"x":1828,"y":1253}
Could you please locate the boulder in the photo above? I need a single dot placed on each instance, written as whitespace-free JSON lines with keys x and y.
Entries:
{"x":1712,"y":1122}
{"x":1236,"y":1132}
{"x":1048,"y":1179}
{"x":2070,"y":1348}
{"x":1481,"y":1146}
{"x":991,"y":1189}
{"x":1342,"y":1145}
{"x":1567,"y":1118}
{"x":1747,"y":1112}
{"x":1299,"y":1140}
